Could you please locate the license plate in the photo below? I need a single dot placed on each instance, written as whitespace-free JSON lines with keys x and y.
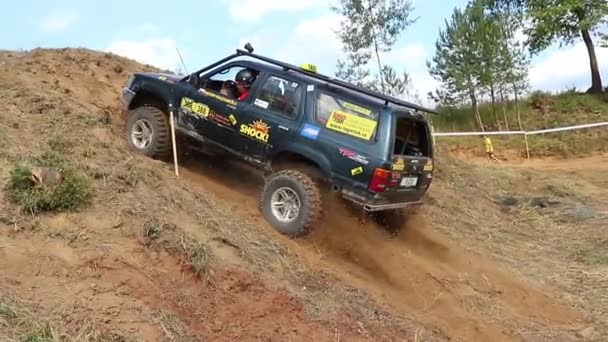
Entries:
{"x":409,"y":181}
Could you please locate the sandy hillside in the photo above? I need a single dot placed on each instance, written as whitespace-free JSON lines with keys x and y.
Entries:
{"x":504,"y":253}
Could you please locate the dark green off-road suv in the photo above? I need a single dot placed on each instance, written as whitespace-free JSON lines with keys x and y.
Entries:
{"x":306,"y":130}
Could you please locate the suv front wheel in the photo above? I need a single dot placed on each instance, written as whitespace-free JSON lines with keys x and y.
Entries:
{"x":148,"y":132}
{"x":291,"y":202}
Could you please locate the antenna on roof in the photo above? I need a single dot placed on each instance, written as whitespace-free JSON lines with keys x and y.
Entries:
{"x":181,"y":59}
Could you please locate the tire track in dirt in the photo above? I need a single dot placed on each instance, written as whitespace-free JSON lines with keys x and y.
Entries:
{"x":417,"y":274}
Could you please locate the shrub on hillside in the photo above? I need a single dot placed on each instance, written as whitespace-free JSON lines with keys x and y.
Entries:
{"x":72,"y":192}
{"x":540,"y":100}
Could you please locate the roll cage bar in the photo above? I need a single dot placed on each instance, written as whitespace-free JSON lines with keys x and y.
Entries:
{"x":286,"y":67}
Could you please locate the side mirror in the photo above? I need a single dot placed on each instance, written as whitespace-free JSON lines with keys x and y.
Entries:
{"x":194,"y":79}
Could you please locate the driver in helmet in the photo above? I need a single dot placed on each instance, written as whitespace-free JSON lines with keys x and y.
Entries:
{"x":244,"y":79}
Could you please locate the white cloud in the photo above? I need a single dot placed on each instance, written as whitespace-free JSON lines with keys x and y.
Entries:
{"x":565,"y":67}
{"x":253,"y":10}
{"x":159,"y":52}
{"x":314,"y":41}
{"x":58,"y":21}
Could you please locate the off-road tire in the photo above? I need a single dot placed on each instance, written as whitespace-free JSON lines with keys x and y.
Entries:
{"x":160,"y":146}
{"x":309,"y":194}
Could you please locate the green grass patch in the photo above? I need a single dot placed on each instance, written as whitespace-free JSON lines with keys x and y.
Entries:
{"x":539,"y":110}
{"x":73,"y":192}
{"x":44,"y":334}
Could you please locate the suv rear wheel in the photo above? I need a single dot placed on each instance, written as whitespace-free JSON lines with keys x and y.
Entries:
{"x":291,"y":202}
{"x":148,"y":132}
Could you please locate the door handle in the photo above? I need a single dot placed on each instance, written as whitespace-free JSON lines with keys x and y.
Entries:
{"x":286,"y":129}
{"x":231,"y":106}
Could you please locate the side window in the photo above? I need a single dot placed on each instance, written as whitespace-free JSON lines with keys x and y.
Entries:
{"x":346,"y":117}
{"x":280,"y":96}
{"x":225,"y":81}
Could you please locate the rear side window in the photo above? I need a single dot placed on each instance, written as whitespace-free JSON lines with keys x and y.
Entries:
{"x":280,"y":96}
{"x":346,"y":117}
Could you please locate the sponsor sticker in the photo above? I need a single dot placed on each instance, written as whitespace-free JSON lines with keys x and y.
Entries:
{"x":261,"y":103}
{"x":195,"y":107}
{"x":311,"y":87}
{"x":357,"y":171}
{"x":258,"y":130}
{"x":398,"y":165}
{"x":232,"y":119}
{"x":428,"y":167}
{"x":352,"y":125}
{"x":357,"y":109}
{"x":219,"y":97}
{"x":353,"y":156}
{"x":309,"y":131}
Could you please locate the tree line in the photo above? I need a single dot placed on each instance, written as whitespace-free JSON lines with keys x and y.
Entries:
{"x":482,"y":52}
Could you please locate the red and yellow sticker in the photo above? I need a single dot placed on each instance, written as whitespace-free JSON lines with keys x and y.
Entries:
{"x":258,"y":130}
{"x":352,"y":125}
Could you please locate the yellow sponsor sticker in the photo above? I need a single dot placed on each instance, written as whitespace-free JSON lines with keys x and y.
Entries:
{"x":232,"y":119}
{"x":220,"y":98}
{"x":198,"y":108}
{"x":356,"y":171}
{"x":398,"y":165}
{"x":258,"y":130}
{"x":428,"y":167}
{"x":351,"y":124}
{"x":357,"y":109}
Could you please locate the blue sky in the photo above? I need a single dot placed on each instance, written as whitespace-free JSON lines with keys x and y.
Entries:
{"x":298,"y":31}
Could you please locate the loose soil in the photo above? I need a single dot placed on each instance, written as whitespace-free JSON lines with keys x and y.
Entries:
{"x":440,"y":274}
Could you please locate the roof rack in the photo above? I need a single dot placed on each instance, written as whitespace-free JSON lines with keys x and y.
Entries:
{"x":286,"y":66}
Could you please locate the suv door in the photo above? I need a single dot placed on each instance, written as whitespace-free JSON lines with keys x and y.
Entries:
{"x":214,"y":110}
{"x":270,"y":117}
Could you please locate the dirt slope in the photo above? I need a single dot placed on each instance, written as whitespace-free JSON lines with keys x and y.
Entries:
{"x":441,"y":275}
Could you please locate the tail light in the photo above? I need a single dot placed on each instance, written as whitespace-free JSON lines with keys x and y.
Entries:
{"x":379,"y":180}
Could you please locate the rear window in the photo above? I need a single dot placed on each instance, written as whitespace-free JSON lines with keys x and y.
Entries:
{"x":411,"y":138}
{"x":346,"y":117}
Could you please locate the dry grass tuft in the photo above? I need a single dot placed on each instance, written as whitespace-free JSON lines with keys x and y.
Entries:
{"x":543,"y":226}
{"x":20,"y":324}
{"x":173,"y":329}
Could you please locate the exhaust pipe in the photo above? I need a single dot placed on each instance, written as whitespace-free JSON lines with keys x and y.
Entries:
{"x":336,"y":188}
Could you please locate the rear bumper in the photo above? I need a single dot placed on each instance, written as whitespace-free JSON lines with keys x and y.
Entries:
{"x":385,"y":206}
{"x":380,"y":203}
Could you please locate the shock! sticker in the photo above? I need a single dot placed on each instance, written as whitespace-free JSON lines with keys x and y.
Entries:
{"x":351,"y":124}
{"x":258,"y":130}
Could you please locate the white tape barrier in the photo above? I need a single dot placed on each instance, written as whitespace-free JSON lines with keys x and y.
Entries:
{"x":568,"y":128}
{"x":543,"y":131}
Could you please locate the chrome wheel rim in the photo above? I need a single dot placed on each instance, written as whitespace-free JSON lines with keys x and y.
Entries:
{"x":285,"y":204}
{"x":142,"y":133}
